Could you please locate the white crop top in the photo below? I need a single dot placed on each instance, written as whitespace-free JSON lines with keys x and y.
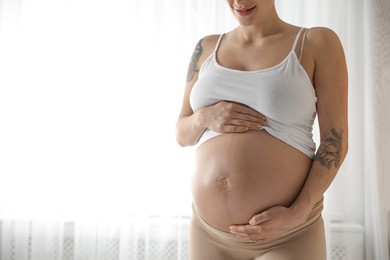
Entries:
{"x":283,"y":93}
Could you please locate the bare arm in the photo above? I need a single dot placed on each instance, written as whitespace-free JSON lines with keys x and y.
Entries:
{"x":188,"y":128}
{"x":222,"y":117}
{"x":331,"y":83}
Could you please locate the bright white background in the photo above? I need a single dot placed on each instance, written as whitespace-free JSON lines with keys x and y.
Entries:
{"x":90,"y":92}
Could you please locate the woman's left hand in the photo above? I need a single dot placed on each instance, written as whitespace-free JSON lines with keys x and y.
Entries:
{"x":268,"y":225}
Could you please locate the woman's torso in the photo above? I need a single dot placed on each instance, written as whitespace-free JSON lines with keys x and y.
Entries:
{"x":239,"y":175}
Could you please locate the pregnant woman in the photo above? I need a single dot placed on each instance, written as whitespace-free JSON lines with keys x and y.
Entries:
{"x":251,"y":98}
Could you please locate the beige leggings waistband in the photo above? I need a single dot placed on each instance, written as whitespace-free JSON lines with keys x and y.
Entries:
{"x":231,"y":240}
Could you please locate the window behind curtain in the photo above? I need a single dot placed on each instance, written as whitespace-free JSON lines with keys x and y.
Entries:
{"x":89,"y":96}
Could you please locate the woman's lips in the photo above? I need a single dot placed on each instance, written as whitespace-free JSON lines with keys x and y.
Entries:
{"x":245,"y":12}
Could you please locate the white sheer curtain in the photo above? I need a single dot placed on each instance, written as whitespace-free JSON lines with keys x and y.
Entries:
{"x":377,"y":129}
{"x":89,"y":94}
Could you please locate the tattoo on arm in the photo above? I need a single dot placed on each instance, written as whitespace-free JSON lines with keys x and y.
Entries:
{"x":329,"y":152}
{"x":193,"y":68}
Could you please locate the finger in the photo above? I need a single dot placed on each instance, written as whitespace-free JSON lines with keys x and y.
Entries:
{"x":247,"y":124}
{"x":235,"y":129}
{"x":246,"y":229}
{"x":239,"y":122}
{"x":244,"y":112}
{"x":249,"y":111}
{"x":260,"y":218}
{"x":254,"y":237}
{"x":240,"y":234}
{"x":250,"y":121}
{"x":250,"y":118}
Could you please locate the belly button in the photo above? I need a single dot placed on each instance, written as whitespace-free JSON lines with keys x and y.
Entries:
{"x":223,"y":181}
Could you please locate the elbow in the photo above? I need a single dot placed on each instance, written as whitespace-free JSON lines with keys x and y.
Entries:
{"x":180,"y":141}
{"x":181,"y":138}
{"x":183,"y":143}
{"x":184,"y":140}
{"x":346,"y":147}
{"x":185,"y":136}
{"x":344,"y":152}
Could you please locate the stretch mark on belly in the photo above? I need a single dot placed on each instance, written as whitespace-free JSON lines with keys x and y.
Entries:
{"x":225,"y":180}
{"x":229,"y":151}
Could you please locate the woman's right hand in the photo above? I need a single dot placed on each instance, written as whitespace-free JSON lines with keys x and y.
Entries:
{"x":231,"y":117}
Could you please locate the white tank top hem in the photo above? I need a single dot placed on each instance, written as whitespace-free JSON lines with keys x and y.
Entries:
{"x":283,"y":93}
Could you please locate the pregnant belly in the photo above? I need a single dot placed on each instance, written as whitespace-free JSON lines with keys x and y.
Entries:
{"x":239,"y":175}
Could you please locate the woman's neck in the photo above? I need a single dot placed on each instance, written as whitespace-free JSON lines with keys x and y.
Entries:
{"x":258,"y":32}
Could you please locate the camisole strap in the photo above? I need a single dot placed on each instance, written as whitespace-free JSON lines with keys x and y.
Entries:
{"x":297,"y":38}
{"x":302,"y":43}
{"x":218,"y":42}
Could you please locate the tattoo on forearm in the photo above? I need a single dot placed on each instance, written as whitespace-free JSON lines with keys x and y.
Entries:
{"x":193,"y":68}
{"x":329,"y":152}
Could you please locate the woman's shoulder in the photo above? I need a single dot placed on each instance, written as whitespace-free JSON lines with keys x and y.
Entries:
{"x":211,"y":37}
{"x":320,"y":39}
{"x":209,"y":42}
{"x":205,"y":47}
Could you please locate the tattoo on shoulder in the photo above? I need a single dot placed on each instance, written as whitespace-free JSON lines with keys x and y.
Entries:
{"x":193,"y":68}
{"x":329,"y":152}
